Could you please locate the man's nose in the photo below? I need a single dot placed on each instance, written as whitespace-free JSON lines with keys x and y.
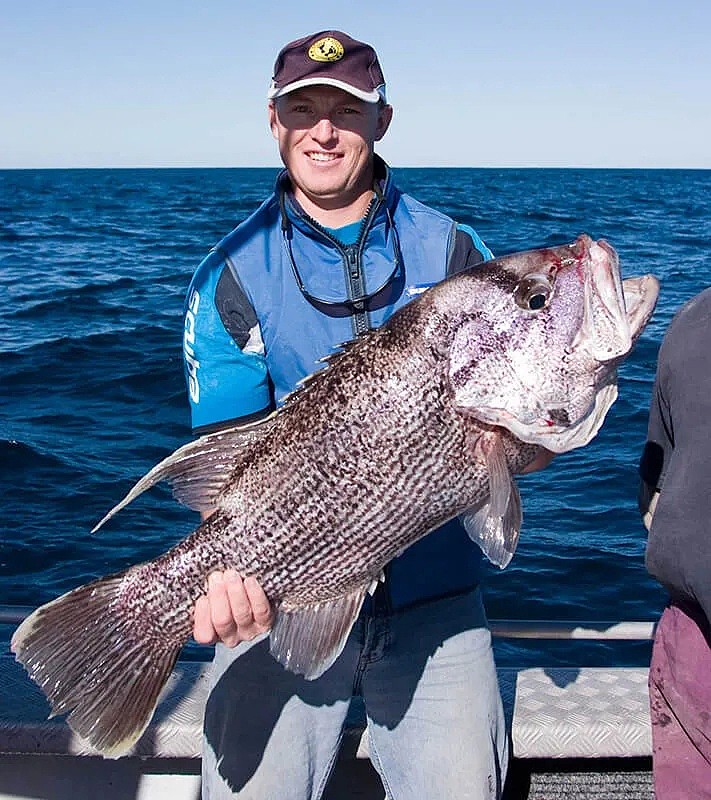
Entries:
{"x":324,"y":130}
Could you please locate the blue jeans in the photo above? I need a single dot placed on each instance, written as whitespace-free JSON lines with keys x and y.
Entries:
{"x":435,"y":720}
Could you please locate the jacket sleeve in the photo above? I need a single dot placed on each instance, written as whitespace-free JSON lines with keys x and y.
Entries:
{"x":468,"y":250}
{"x":223,"y":352}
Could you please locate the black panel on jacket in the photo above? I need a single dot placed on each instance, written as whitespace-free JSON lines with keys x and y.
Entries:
{"x":464,"y":254}
{"x":234,"y":308}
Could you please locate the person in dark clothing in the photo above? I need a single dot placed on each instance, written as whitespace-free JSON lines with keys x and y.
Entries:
{"x":675,"y":503}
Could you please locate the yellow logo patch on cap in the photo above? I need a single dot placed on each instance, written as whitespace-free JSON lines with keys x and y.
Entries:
{"x":326,"y":49}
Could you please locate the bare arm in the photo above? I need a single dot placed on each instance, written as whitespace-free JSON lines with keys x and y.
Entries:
{"x":651,"y":466}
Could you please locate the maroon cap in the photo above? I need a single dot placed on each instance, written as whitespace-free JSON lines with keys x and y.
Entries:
{"x":332,"y":58}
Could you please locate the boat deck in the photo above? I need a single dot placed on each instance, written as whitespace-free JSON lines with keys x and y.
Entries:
{"x":575,"y":733}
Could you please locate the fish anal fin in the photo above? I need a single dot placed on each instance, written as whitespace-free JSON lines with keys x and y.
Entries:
{"x":308,"y":639}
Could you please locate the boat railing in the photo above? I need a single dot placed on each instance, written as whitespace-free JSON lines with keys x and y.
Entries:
{"x":573,"y":629}
{"x":502,"y":628}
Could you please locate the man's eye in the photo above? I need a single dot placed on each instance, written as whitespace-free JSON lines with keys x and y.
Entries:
{"x":349,"y":110}
{"x":302,"y":109}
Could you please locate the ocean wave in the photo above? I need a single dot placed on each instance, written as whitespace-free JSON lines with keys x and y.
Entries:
{"x":9,"y":234}
{"x":90,"y":298}
{"x":21,"y":456}
{"x":552,"y":216}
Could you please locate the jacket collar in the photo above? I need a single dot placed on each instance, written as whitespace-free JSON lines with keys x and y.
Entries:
{"x":285,"y":194}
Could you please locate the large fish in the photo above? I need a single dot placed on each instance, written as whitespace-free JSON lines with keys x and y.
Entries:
{"x":419,"y":421}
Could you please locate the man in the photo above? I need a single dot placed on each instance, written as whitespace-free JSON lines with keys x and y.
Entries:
{"x":675,"y":501}
{"x":332,"y":253}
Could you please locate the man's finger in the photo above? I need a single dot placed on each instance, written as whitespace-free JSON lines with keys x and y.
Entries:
{"x":240,"y":607}
{"x":203,"y":630}
{"x":221,"y":614}
{"x":261,"y":608}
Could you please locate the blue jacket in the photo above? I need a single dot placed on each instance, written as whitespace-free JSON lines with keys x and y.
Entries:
{"x":280,"y":292}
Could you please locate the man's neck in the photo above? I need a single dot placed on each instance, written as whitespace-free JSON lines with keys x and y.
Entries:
{"x":334,"y":215}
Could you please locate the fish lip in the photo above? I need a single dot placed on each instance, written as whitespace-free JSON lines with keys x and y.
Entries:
{"x":641,"y":294}
{"x":604,"y":308}
{"x":637,"y":295}
{"x":610,"y":250}
{"x":631,"y":300}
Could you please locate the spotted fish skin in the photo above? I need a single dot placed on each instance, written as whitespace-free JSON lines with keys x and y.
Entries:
{"x":367,"y":458}
{"x":352,"y":479}
{"x":419,"y":421}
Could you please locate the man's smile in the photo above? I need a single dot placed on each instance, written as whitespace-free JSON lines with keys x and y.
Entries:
{"x":317,"y":155}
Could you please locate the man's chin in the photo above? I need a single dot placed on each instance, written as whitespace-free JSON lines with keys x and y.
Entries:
{"x":323,"y":194}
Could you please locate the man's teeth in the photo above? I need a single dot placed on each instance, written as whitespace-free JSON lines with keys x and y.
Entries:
{"x":323,"y":156}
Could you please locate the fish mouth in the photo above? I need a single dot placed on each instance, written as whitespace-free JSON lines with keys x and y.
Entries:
{"x":605,"y":330}
{"x":640,"y":295}
{"x":615,"y":311}
{"x":615,"y":314}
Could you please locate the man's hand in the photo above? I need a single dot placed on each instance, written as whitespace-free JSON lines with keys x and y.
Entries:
{"x":232,"y":611}
{"x":648,"y":515}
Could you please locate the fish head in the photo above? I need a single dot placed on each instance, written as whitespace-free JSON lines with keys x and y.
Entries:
{"x":536,"y":338}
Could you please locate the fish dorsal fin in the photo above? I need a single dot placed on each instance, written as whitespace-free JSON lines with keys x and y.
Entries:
{"x":198,"y":470}
{"x":323,"y":363}
{"x":300,"y":385}
{"x":495,"y":525}
{"x":308,"y":639}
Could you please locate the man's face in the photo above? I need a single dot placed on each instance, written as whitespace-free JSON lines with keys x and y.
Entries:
{"x":326,"y":138}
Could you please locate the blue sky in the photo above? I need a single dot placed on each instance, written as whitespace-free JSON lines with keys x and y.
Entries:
{"x":541,"y":83}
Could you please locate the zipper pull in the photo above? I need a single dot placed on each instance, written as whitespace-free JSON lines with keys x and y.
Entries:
{"x":352,"y":260}
{"x":356,"y":278}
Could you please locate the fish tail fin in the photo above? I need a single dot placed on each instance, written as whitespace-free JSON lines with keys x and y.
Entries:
{"x":99,"y":659}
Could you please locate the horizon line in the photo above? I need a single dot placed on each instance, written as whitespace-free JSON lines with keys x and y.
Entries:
{"x":393,"y":166}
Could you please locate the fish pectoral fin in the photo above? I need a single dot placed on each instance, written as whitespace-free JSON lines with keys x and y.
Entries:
{"x":198,"y":470}
{"x":495,"y":525}
{"x":307,"y":639}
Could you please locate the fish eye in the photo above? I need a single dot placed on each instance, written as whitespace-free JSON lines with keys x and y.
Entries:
{"x":533,"y":292}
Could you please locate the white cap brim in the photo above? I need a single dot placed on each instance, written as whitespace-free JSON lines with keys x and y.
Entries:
{"x":375,"y":96}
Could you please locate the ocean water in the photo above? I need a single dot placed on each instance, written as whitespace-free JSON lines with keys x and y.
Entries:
{"x":94,"y":265}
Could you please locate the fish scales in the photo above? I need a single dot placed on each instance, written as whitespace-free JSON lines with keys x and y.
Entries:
{"x":424,"y":419}
{"x":350,"y":538}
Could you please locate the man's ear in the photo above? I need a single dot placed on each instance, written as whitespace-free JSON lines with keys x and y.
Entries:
{"x":385,"y":115}
{"x":272,"y":116}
